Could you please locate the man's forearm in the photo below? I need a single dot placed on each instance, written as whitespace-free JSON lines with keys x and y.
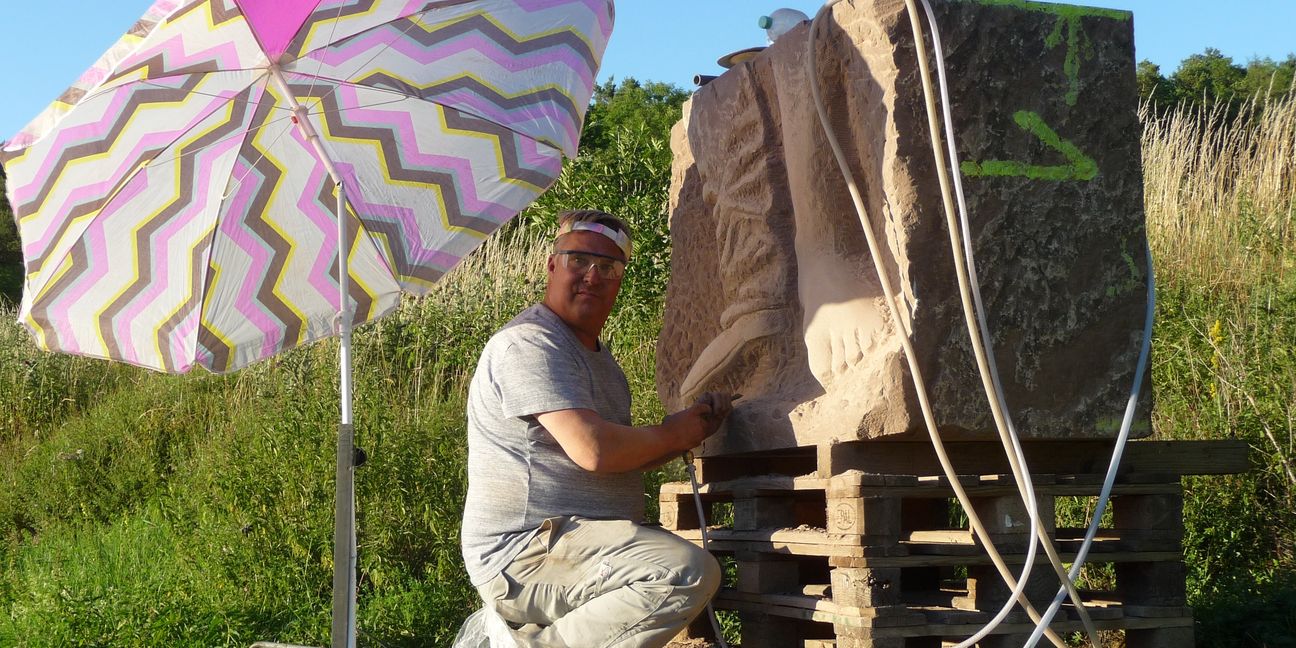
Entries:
{"x":601,"y":446}
{"x":661,"y":461}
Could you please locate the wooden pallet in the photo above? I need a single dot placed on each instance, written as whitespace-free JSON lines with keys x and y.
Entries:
{"x":871,"y":559}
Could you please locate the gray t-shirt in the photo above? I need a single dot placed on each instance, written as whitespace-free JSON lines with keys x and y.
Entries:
{"x":518,"y":475}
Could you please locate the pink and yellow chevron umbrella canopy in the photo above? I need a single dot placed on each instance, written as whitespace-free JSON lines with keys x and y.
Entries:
{"x":173,"y":213}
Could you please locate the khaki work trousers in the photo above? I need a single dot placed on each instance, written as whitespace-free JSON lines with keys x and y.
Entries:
{"x":583,"y":583}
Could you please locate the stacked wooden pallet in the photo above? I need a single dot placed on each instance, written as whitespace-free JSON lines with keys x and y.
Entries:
{"x":878,"y":557}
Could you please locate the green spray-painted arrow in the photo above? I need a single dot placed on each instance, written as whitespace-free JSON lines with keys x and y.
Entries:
{"x":1081,"y":167}
{"x":1077,"y":42}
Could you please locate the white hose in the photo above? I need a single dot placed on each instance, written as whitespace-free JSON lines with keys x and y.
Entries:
{"x":988,"y":368}
{"x":994,"y":389}
{"x":978,"y":333}
{"x":1126,"y":424}
{"x":1068,"y":579}
{"x":911,"y":357}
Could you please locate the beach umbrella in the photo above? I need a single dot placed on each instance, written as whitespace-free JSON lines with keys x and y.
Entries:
{"x":235,"y":178}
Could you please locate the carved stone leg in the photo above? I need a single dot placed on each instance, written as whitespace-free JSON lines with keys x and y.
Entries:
{"x":744,"y":186}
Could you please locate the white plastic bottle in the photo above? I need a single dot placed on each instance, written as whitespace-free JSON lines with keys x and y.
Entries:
{"x":780,"y":21}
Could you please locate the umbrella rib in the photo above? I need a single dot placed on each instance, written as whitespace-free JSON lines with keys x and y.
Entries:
{"x":272,"y":123}
{"x":192,"y":92}
{"x":382,"y":50}
{"x":401,"y":96}
{"x":241,"y":133}
{"x":152,"y":81}
{"x":238,"y":180}
{"x":332,"y":33}
{"x":122,"y":183}
{"x":347,"y":80}
{"x":386,"y":46}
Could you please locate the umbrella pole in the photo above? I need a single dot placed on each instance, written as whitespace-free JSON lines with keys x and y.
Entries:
{"x":344,"y":537}
{"x":343,"y":631}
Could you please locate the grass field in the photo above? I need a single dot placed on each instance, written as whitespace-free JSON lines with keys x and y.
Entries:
{"x":139,"y":509}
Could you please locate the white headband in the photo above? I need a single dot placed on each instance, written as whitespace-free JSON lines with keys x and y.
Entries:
{"x":622,"y":241}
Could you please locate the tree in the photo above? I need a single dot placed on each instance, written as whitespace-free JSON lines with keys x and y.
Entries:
{"x":1152,"y":86}
{"x":1208,"y":78}
{"x":11,"y":263}
{"x":652,"y":106}
{"x":1266,"y":77}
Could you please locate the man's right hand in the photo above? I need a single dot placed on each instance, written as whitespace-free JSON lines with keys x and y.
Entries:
{"x":693,"y":425}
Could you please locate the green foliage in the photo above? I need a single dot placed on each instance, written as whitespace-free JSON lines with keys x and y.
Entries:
{"x":1226,"y":370}
{"x":11,"y":275}
{"x":1223,"y":360}
{"x":652,"y":107}
{"x":1152,"y":86}
{"x":1266,"y":77}
{"x":1207,"y":77}
{"x":1212,"y":79}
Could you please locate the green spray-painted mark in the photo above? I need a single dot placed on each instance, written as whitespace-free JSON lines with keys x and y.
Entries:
{"x":1062,"y":10}
{"x":1078,"y":46}
{"x":1077,"y":43}
{"x":1080,"y":167}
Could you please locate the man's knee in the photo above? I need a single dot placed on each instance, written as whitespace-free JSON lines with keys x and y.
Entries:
{"x":714,"y":575}
{"x":704,"y":570}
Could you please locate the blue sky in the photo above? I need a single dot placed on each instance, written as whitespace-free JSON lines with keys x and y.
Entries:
{"x":48,"y":43}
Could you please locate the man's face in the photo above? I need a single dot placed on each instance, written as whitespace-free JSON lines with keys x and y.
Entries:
{"x":582,"y":299}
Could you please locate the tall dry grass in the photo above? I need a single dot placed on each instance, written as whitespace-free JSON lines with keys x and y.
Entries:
{"x":1220,"y":191}
{"x":1220,"y":197}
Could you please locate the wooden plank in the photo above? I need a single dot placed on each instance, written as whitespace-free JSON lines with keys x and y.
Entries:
{"x":754,"y":511}
{"x":1152,"y":583}
{"x":1067,"y":540}
{"x":931,"y":488}
{"x":767,"y":574}
{"x":675,"y":516}
{"x":792,"y":461}
{"x":920,"y":487}
{"x":756,"y":484}
{"x":760,"y":630}
{"x":1070,"y":456}
{"x":816,"y":597}
{"x":866,"y":520}
{"x":936,"y":542}
{"x":1161,"y":512}
{"x":1160,"y":637}
{"x":843,"y":554}
{"x":925,"y":622}
{"x":866,"y":587}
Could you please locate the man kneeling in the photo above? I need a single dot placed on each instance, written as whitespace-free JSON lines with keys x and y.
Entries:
{"x":551,"y":531}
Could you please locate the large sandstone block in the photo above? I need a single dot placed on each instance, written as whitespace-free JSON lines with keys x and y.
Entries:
{"x":772,"y":292}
